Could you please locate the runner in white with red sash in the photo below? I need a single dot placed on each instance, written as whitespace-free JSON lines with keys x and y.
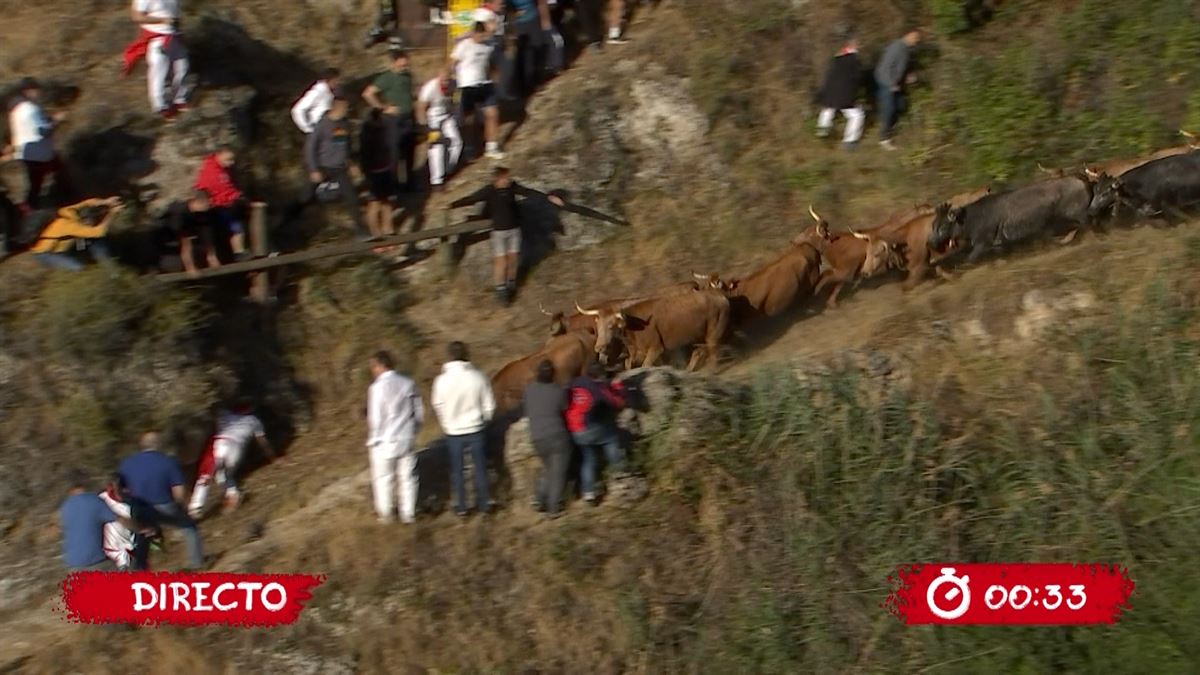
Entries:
{"x":224,"y":455}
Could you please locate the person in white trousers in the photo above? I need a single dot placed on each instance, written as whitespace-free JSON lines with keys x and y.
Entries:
{"x":840,"y":92}
{"x":315,"y":102}
{"x":166,"y":56}
{"x":235,"y":430}
{"x":435,"y":110}
{"x":395,"y":413}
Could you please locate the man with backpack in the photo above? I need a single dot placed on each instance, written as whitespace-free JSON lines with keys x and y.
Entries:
{"x":592,"y":421}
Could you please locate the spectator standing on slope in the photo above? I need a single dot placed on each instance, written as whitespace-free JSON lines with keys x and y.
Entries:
{"x":157,"y":480}
{"x":591,"y":419}
{"x":166,"y":56}
{"x":491,"y":15}
{"x":225,"y":197}
{"x":222,"y":460}
{"x":435,"y":112}
{"x":462,"y":400}
{"x":532,"y":28}
{"x":312,"y":106}
{"x":82,"y":518}
{"x":500,"y":205}
{"x":31,"y":132}
{"x":472,"y":63}
{"x":840,"y":93}
{"x":392,"y":92}
{"x":891,"y":74}
{"x":545,"y":404}
{"x":395,"y":414}
{"x":377,"y":158}
{"x":327,"y":154}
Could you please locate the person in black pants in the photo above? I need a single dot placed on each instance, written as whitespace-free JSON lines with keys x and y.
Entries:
{"x":545,"y":404}
{"x":327,"y":155}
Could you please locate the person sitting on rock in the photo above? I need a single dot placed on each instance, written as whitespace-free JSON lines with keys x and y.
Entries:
{"x":226,"y":199}
{"x":77,"y":229}
{"x":500,"y":204}
{"x":191,"y":222}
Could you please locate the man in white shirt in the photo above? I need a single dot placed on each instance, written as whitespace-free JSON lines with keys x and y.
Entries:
{"x":462,"y":399}
{"x":445,"y":143}
{"x":316,"y":101}
{"x":31,"y":131}
{"x":235,"y":431}
{"x":472,"y":63}
{"x":166,"y":56}
{"x":394,"y":417}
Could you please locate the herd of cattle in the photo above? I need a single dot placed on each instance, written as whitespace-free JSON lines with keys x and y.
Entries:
{"x":699,"y":314}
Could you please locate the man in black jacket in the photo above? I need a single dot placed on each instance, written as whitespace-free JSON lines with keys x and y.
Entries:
{"x":500,"y":204}
{"x":840,"y":92}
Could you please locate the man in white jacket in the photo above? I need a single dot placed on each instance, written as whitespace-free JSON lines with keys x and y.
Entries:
{"x":316,"y":101}
{"x":394,"y":417}
{"x":462,"y":399}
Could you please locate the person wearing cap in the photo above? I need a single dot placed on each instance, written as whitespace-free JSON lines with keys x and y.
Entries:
{"x":312,"y":105}
{"x":472,"y":63}
{"x":166,"y":56}
{"x":31,"y":130}
{"x":392,"y":92}
{"x":491,"y":14}
{"x":840,"y":93}
{"x":500,"y":204}
{"x":222,"y":460}
{"x":435,"y":112}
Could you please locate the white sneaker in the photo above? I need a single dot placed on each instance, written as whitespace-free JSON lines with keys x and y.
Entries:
{"x":887,"y":145}
{"x":493,"y":152}
{"x":615,"y":37}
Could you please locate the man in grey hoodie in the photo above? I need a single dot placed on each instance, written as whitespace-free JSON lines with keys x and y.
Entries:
{"x":545,"y":404}
{"x":890,"y":75}
{"x":327,"y":153}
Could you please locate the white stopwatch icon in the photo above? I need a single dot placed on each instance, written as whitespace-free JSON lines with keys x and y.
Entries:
{"x":960,"y":589}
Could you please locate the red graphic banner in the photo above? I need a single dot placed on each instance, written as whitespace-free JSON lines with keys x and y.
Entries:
{"x":1029,"y":594}
{"x":188,"y":599}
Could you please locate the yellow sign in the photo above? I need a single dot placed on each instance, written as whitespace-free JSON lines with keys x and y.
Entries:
{"x":461,"y":13}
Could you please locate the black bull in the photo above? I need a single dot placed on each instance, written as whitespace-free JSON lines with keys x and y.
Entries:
{"x":1167,"y":183}
{"x":1006,"y":219}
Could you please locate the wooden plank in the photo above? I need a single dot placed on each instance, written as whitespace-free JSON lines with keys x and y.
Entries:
{"x":330,"y":251}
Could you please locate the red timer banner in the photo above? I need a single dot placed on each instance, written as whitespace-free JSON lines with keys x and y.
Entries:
{"x":1030,"y":594}
{"x":210,"y":598}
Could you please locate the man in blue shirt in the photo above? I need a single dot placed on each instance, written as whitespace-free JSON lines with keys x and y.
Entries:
{"x":82,"y":517}
{"x":157,"y":479}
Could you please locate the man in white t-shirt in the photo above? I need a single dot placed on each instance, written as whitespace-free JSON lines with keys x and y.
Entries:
{"x":166,"y":56}
{"x":224,"y":456}
{"x":472,"y":62}
{"x":316,"y":101}
{"x":433,"y":110}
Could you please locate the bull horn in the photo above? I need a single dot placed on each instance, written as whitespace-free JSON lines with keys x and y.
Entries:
{"x":813,"y":213}
{"x":858,"y":235}
{"x":544,"y":310}
{"x":1044,"y":169}
{"x":700,"y":277}
{"x":587,"y":312}
{"x":1187,"y":134}
{"x":1090,"y":173}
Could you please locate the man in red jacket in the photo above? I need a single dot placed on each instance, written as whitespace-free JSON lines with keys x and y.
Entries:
{"x":592,"y":420}
{"x":226,"y":199}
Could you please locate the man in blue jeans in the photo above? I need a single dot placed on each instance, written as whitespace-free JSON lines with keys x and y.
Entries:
{"x":891,"y":74}
{"x":462,"y":399}
{"x":592,"y":421}
{"x":157,"y":480}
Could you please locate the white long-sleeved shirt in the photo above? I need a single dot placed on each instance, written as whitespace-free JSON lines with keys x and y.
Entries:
{"x":118,"y":539}
{"x":30,"y":130}
{"x":395,"y":412}
{"x":462,"y":399}
{"x":165,"y":10}
{"x":239,"y":429}
{"x":312,"y":106}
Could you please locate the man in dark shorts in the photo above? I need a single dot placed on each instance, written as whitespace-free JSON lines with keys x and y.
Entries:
{"x":378,"y":161}
{"x":191,"y":222}
{"x":472,"y":61}
{"x":392,"y":92}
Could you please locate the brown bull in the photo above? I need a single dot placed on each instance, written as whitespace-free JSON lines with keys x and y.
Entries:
{"x":1116,"y":167}
{"x":775,"y":287}
{"x":846,"y":258}
{"x":652,"y":327}
{"x":561,"y":323}
{"x":911,"y":237}
{"x":571,"y":354}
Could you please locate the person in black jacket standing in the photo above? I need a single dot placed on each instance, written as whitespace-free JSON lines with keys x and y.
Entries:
{"x":840,"y":92}
{"x":500,"y":204}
